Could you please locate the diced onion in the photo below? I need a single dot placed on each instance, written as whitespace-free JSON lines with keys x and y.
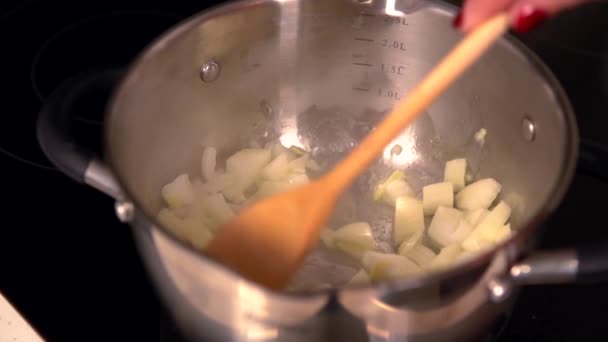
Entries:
{"x":299,"y":165}
{"x":410,"y":243}
{"x":475,"y":216}
{"x":380,"y":188}
{"x":409,"y":219}
{"x":421,"y":255}
{"x":478,"y":195}
{"x":395,"y":189}
{"x":217,"y":209}
{"x":179,"y":192}
{"x":381,"y":266}
{"x":245,"y":166}
{"x":189,"y":229}
{"x":489,"y":229}
{"x":444,"y":224}
{"x":446,"y":256}
{"x":208,"y":162}
{"x":454,"y":173}
{"x":277,"y":169}
{"x":354,"y":239}
{"x":271,"y":188}
{"x":436,"y":195}
{"x":360,"y":277}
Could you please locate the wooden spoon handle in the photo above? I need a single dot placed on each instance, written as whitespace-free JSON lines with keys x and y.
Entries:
{"x":406,"y":111}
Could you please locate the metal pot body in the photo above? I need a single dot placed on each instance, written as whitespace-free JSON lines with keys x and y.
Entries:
{"x":320,"y":74}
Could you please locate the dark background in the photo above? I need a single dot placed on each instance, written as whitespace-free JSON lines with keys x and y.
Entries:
{"x":72,"y":269}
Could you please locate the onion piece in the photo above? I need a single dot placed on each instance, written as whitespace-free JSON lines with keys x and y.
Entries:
{"x":446,"y":257}
{"x":395,"y":189}
{"x":311,"y":164}
{"x":245,"y":166}
{"x":189,"y":229}
{"x":485,"y":233}
{"x":421,"y":255}
{"x":455,"y":171}
{"x":297,"y":150}
{"x":299,"y":165}
{"x":208,"y":162}
{"x":462,"y":231}
{"x":354,"y":239}
{"x":478,"y":195}
{"x":409,"y":219}
{"x":475,"y":216}
{"x":217,"y":210}
{"x":277,"y":169}
{"x":360,"y":277}
{"x":271,"y":188}
{"x":380,"y":188}
{"x":436,"y":195}
{"x":381,"y":266}
{"x":444,"y":224}
{"x":410,"y":243}
{"x":179,"y":192}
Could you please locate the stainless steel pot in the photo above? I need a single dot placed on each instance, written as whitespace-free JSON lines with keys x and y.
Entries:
{"x":320,"y":74}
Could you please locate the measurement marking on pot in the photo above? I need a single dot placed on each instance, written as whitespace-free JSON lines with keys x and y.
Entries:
{"x":363,"y":64}
{"x":390,"y":93}
{"x":360,"y":89}
{"x":364,"y":39}
{"x":393,"y":69}
{"x":394,"y":44}
{"x":367,"y":14}
{"x":396,"y":21}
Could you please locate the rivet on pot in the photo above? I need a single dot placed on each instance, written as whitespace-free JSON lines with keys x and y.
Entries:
{"x":528,"y":128}
{"x":500,"y":289}
{"x":124,"y":211}
{"x":210,"y":71}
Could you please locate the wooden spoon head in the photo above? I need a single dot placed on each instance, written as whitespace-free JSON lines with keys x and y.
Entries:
{"x":269,"y":240}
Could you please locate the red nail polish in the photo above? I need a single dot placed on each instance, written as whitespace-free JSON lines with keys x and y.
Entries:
{"x":528,"y":17}
{"x":457,"y":20}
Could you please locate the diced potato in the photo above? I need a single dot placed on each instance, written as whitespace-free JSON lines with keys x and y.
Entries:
{"x":354,"y":239}
{"x":218,"y":182}
{"x":208,"y":162}
{"x":455,"y":171}
{"x":360,"y":277}
{"x":421,"y":255}
{"x":277,"y":169}
{"x":446,"y":257}
{"x":380,"y":188}
{"x":410,"y":243}
{"x":478,"y":195}
{"x":381,"y":266}
{"x":436,"y":195}
{"x":179,"y":192}
{"x":409,"y":219}
{"x":395,"y":189}
{"x":444,"y":224}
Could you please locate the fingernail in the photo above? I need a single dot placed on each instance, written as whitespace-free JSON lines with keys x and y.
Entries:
{"x":457,"y":20}
{"x":528,"y":17}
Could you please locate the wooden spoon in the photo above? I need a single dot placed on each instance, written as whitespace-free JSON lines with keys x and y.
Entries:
{"x":269,"y":241}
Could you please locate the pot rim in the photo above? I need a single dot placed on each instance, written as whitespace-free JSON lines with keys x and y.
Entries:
{"x":552,"y":201}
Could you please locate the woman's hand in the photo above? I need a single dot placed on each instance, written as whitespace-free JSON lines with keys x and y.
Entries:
{"x":525,"y":14}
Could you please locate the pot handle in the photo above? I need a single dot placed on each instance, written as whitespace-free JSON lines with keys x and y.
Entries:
{"x":55,"y":124}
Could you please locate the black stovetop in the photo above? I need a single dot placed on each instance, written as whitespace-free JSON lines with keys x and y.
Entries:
{"x":72,"y":269}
